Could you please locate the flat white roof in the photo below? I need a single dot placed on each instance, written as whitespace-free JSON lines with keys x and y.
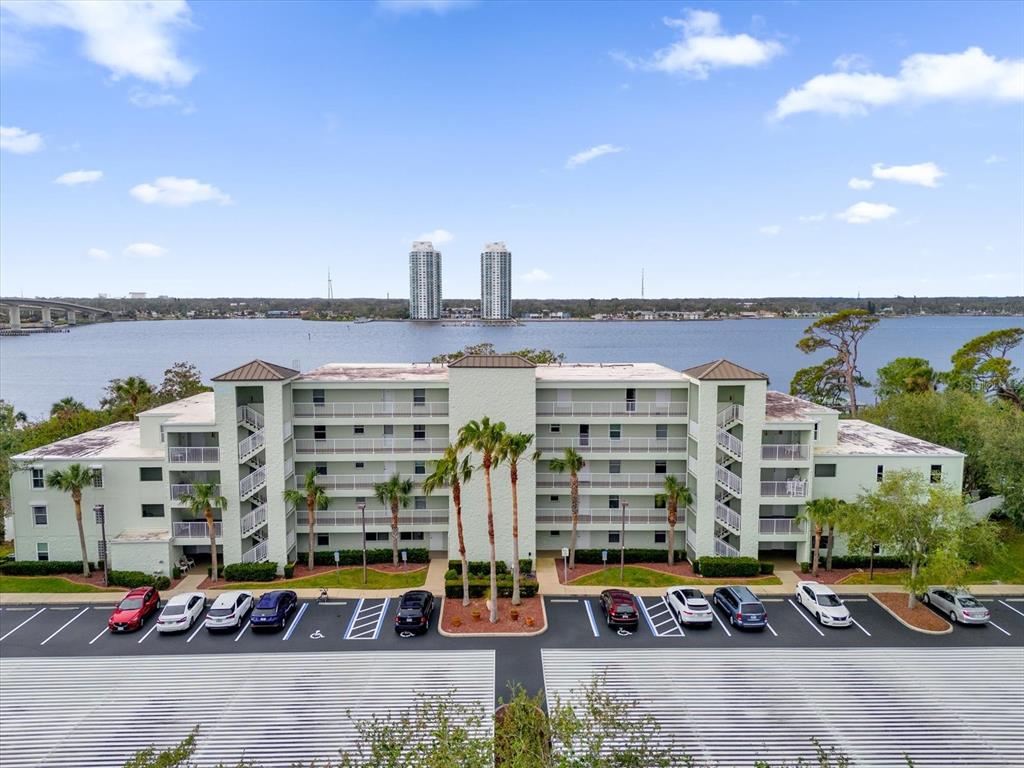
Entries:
{"x":782,"y":407}
{"x":861,"y":438}
{"x":121,"y":440}
{"x":608,"y":372}
{"x":382,"y":372}
{"x":198,"y":409}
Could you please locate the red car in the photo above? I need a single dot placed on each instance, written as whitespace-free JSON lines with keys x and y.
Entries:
{"x":133,"y":609}
{"x":619,"y":607}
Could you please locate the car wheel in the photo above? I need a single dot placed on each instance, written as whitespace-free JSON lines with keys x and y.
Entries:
{"x":142,"y":621}
{"x":732,"y":620}
{"x":927,"y":599}
{"x":284,"y":622}
{"x":817,"y":617}
{"x":952,"y":616}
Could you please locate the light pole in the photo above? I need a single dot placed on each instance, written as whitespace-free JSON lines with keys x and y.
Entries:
{"x":362,"y":515}
{"x":101,"y":518}
{"x":622,"y":543}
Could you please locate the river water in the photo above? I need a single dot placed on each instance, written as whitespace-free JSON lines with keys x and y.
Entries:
{"x":38,"y":370}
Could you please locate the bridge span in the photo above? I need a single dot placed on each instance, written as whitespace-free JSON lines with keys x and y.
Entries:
{"x":71,"y":311}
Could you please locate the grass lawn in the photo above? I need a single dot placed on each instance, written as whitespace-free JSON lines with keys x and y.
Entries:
{"x":648,"y":577}
{"x":891,"y":577}
{"x":46,"y":584}
{"x":346,"y":578}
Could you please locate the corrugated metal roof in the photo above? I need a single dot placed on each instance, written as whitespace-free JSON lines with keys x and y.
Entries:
{"x":491,"y":361}
{"x":257,"y":370}
{"x":723,"y":370}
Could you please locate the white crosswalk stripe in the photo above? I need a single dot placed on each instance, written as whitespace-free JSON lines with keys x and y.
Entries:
{"x":367,"y":619}
{"x":950,"y":706}
{"x":659,"y":617}
{"x":292,"y":709}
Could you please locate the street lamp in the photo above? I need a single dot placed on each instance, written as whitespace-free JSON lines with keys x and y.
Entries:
{"x":362,"y":514}
{"x":101,"y":518}
{"x":622,"y":543}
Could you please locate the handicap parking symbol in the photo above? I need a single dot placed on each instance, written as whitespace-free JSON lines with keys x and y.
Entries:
{"x":623,"y":632}
{"x":317,"y":635}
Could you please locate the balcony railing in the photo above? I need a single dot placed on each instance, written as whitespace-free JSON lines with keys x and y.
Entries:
{"x":257,"y":554}
{"x":728,"y":517}
{"x":289,"y":540}
{"x":725,"y":549}
{"x":626,"y":408}
{"x":785,"y":452}
{"x":254,"y":519}
{"x":375,"y":518}
{"x":603,"y":480}
{"x":289,"y":467}
{"x":728,"y":478}
{"x":187,"y":489}
{"x":194,"y":529}
{"x":367,"y":410}
{"x":610,"y":445}
{"x":561,"y":516}
{"x":200,"y":455}
{"x":796,"y":488}
{"x":729,"y":414}
{"x":250,"y":417}
{"x":731,"y":443}
{"x":372,"y":445}
{"x":779,"y":525}
{"x":251,"y":444}
{"x":252,"y":482}
{"x":354,"y":482}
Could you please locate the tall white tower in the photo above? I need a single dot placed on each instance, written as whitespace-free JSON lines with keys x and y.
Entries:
{"x":495,"y":282}
{"x":424,"y":281}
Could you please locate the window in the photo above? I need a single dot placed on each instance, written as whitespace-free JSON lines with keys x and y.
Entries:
{"x":358,"y":429}
{"x":660,"y":537}
{"x":556,"y":429}
{"x":360,"y":464}
{"x":38,"y":481}
{"x":149,"y":474}
{"x":613,"y":502}
{"x":321,"y":468}
{"x":360,"y":500}
{"x":319,"y":432}
{"x":42,"y":551}
{"x":419,"y":468}
{"x":97,"y":477}
{"x":389,"y":430}
{"x":613,"y":537}
{"x":815,"y":431}
{"x":661,"y":431}
{"x":419,"y":502}
{"x":660,"y":467}
{"x":614,"y":431}
{"x":411,"y":536}
{"x":318,"y":397}
{"x":39,"y":514}
{"x":377,"y":535}
{"x":552,"y":498}
{"x":152,"y":510}
{"x":936,"y":473}
{"x":614,"y":467}
{"x":630,"y":400}
{"x":554,"y":533}
{"x":419,"y":397}
{"x":323,"y":539}
{"x":419,"y":432}
{"x":824,"y":470}
{"x":879,"y":473}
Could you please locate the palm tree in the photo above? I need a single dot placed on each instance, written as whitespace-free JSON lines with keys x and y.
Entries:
{"x":450,"y":471}
{"x":394,"y":493}
{"x":511,"y":450}
{"x":72,"y":480}
{"x":572,"y":463}
{"x":201,"y":501}
{"x":66,"y":407}
{"x":314,"y":497}
{"x":131,"y":393}
{"x":675,"y":493}
{"x":819,"y":512}
{"x":834,"y":518}
{"x":485,"y":438}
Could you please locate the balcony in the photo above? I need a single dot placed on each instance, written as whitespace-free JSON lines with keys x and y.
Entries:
{"x":257,"y":554}
{"x":725,"y":549}
{"x":729,"y":479}
{"x":376,"y":518}
{"x":730,"y":518}
{"x":186,"y":455}
{"x":794,"y":488}
{"x":367,"y":410}
{"x":624,"y":408}
{"x":254,"y":519}
{"x":187,"y":489}
{"x":385,"y":445}
{"x":779,"y":526}
{"x":730,"y":443}
{"x":785,"y":452}
{"x":355,"y":482}
{"x":194,"y":529}
{"x":613,"y":517}
{"x":612,"y":445}
{"x":604,"y":480}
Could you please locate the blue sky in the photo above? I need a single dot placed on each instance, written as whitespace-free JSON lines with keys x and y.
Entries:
{"x":222,"y":149}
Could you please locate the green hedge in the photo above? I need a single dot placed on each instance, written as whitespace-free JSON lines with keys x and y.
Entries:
{"x":856,"y":561}
{"x":289,"y":571}
{"x":767,"y":568}
{"x":483,"y":567}
{"x":375,"y":555}
{"x":251,"y":571}
{"x":632,"y":555}
{"x":717,"y":567}
{"x":133,"y":579}
{"x":44,"y":567}
{"x":480,"y":587}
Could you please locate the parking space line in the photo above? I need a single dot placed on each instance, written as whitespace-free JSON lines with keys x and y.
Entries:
{"x":771,"y":629}
{"x":1015,"y":599}
{"x":660,"y":615}
{"x":1001,"y":601}
{"x":861,"y":628}
{"x":590,"y":615}
{"x":564,"y":600}
{"x":383,"y":611}
{"x":367,"y":620}
{"x":359,"y":607}
{"x":82,"y":612}
{"x":19,"y":608}
{"x":103,"y":631}
{"x":804,"y":616}
{"x":855,"y":600}
{"x":151,"y":631}
{"x":242,"y":632}
{"x":999,"y":628}
{"x":295,"y":621}
{"x":720,"y":622}
{"x":200,"y":623}
{"x":26,"y":621}
{"x":771,"y":599}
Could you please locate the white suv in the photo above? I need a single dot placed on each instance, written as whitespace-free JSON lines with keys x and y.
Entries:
{"x":688,"y":605}
{"x":823,"y":604}
{"x":229,"y":610}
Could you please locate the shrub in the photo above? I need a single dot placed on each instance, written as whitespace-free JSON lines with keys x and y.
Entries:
{"x":632,"y":556}
{"x":805,"y":567}
{"x":43,"y":567}
{"x":451,"y":574}
{"x":717,"y":567}
{"x":289,"y":570}
{"x":251,"y":571}
{"x":478,"y":587}
{"x":858,"y":561}
{"x":162,"y":582}
{"x":374,"y":556}
{"x":131,"y":579}
{"x":767,"y":568}
{"x":176,"y":572}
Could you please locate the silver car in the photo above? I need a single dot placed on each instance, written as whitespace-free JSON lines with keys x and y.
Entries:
{"x":957,"y":604}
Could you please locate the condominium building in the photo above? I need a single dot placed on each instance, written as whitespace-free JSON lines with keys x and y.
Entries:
{"x":495,"y":282}
{"x":751,"y":457}
{"x":424,"y":281}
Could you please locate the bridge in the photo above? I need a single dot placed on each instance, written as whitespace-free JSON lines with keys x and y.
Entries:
{"x":71,"y":311}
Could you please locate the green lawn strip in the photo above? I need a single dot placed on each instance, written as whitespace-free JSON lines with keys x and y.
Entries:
{"x":46,"y":584}
{"x":638,"y":576}
{"x":1008,"y":566}
{"x":345,"y":578}
{"x":889,"y":577}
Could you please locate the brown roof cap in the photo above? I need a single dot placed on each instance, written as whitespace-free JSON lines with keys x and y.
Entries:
{"x":257,"y":370}
{"x":491,"y":361}
{"x":723,"y":370}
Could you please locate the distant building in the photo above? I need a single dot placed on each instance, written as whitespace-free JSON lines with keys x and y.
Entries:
{"x":424,"y":281}
{"x":495,"y":282}
{"x":137,"y":295}
{"x":102,"y":295}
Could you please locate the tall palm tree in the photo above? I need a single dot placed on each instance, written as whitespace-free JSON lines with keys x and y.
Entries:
{"x":72,"y":480}
{"x":314,"y":497}
{"x":201,"y":501}
{"x":676,"y":493}
{"x":485,"y":438}
{"x":66,"y":407}
{"x":834,"y":518}
{"x":818,"y":512}
{"x":132,"y":393}
{"x":394,"y":493}
{"x":512,"y":449}
{"x":454,"y":473}
{"x":572,"y":463}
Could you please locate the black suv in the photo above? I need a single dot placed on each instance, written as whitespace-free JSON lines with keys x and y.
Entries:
{"x":414,"y":609}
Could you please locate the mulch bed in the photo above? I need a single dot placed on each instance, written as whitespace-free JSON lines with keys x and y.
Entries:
{"x":683,"y":569}
{"x":836,"y":575}
{"x":921,"y":616}
{"x":96,"y":579}
{"x":302,"y":572}
{"x":453,"y":610}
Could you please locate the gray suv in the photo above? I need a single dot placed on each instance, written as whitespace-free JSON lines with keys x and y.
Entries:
{"x":742,"y":607}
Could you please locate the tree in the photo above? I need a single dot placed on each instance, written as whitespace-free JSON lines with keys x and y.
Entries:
{"x":66,"y":407}
{"x":181,"y":380}
{"x":675,"y":493}
{"x":572,"y":463}
{"x":864,"y":532}
{"x":821,"y":384}
{"x":393,"y":494}
{"x":818,"y":512}
{"x":983,"y":365}
{"x":202,"y":501}
{"x":72,"y":480}
{"x":535,"y":356}
{"x":905,"y":375}
{"x":485,"y":438}
{"x":128,"y":396}
{"x":9,"y":446}
{"x":511,"y":451}
{"x":842,"y":333}
{"x":1001,"y":437}
{"x":314,"y":497}
{"x":451,"y":471}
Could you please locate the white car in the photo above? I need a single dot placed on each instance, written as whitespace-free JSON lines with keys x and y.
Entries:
{"x":229,"y":610}
{"x":959,"y":605}
{"x":181,"y":612}
{"x":688,"y":605}
{"x":823,"y":603}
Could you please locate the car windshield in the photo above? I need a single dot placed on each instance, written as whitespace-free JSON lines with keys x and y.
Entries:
{"x":829,"y":600}
{"x":174,"y":610}
{"x":220,"y":612}
{"x":967,"y":601}
{"x":693,"y":594}
{"x":267,"y":602}
{"x":751,"y":608}
{"x":131,"y":604}
{"x":412,"y":603}
{"x":624,"y":608}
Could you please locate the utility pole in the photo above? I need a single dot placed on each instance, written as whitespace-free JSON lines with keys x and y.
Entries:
{"x":362,"y":514}
{"x":641,"y":282}
{"x":622,"y":544}
{"x":101,"y":518}
{"x":330,"y":287}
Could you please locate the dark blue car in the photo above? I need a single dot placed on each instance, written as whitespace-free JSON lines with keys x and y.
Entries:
{"x":273,"y":609}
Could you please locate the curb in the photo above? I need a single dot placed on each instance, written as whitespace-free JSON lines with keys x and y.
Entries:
{"x":541,"y":631}
{"x":908,"y":625}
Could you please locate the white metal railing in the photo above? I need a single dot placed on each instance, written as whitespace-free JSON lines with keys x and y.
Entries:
{"x":376,"y":518}
{"x":689,"y":546}
{"x":729,"y":442}
{"x":627,"y":408}
{"x":610,"y":445}
{"x":187,"y":489}
{"x":728,"y":478}
{"x":691,"y":534}
{"x":785,"y":452}
{"x":368,"y":410}
{"x":795,"y":487}
{"x":251,"y":444}
{"x":729,"y":414}
{"x":372,"y":445}
{"x":198,"y":455}
{"x":561,"y":515}
{"x":194,"y":529}
{"x":250,"y":416}
{"x":289,"y":540}
{"x":603,"y":480}
{"x":289,"y":467}
{"x":727,"y":516}
{"x":694,"y":424}
{"x":257,"y":554}
{"x":354,"y":482}
{"x":779,"y":525}
{"x":287,"y":430}
{"x":252,"y":482}
{"x":254,"y":519}
{"x":725,"y":549}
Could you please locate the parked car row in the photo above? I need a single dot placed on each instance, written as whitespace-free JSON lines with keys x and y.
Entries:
{"x":181,"y":612}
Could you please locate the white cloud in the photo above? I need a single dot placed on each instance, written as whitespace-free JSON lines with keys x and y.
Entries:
{"x":856,"y":183}
{"x":437,"y":237}
{"x":994,"y":159}
{"x":19,"y":141}
{"x":591,"y":154}
{"x":771,"y":230}
{"x":131,"y":39}
{"x":74,"y":178}
{"x":98,"y":254}
{"x":704,"y":47}
{"x":145,"y":251}
{"x":536,"y":275}
{"x":865,"y":213}
{"x":922,"y":174}
{"x":969,"y":76}
{"x":437,"y":7}
{"x":149,"y":100}
{"x":852,"y":62}
{"x":811,"y":218}
{"x":172,"y":191}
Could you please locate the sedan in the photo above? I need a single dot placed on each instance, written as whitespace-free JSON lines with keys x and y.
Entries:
{"x":414,"y":609}
{"x":134,"y":608}
{"x":959,"y":605}
{"x":823,"y":603}
{"x":689,"y":605}
{"x":181,"y":612}
{"x":619,"y":608}
{"x":229,"y":610}
{"x":273,"y":609}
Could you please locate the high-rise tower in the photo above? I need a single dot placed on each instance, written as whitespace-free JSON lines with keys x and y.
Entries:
{"x":424,"y":281}
{"x":495,"y":282}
